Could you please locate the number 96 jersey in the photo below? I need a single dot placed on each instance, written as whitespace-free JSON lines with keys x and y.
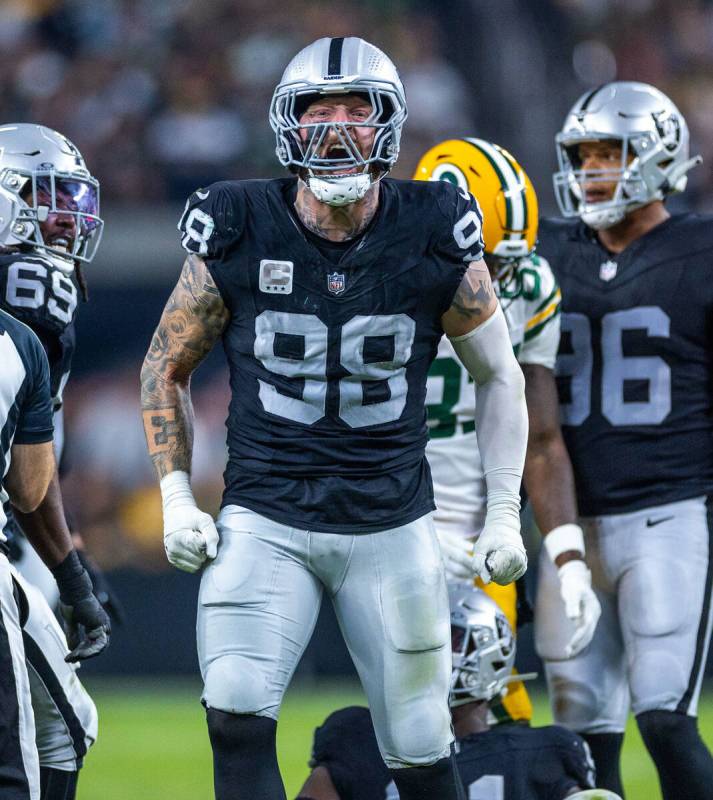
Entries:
{"x":35,"y":291}
{"x":634,"y":369}
{"x":328,"y":354}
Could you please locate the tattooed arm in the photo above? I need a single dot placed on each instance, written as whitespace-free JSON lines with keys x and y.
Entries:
{"x":193,"y":320}
{"x":474,"y":301}
{"x":478,"y":332}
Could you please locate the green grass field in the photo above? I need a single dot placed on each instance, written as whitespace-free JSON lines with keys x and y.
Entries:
{"x":153,"y":743}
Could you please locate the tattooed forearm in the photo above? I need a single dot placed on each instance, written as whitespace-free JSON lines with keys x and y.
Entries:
{"x":194,"y":318}
{"x":473,"y":303}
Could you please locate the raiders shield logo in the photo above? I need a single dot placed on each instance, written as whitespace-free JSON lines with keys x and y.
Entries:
{"x":607,"y":270}
{"x":336,"y":282}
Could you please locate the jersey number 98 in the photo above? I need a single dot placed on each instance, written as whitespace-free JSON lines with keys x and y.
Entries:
{"x":374,"y":351}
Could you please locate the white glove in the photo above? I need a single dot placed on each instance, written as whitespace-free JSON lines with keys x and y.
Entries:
{"x":581,"y":604}
{"x":457,"y":552}
{"x":189,"y":534}
{"x":499,"y":553}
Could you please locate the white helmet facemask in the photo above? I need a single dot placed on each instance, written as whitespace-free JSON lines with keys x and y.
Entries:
{"x":339,"y":174}
{"x":41,"y":174}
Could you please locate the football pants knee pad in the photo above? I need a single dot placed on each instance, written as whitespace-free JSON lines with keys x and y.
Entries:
{"x":237,"y":685}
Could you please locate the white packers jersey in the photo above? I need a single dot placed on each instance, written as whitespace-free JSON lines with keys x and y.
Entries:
{"x":530,"y":299}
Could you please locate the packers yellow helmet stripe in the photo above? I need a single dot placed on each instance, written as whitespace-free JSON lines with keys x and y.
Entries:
{"x":498,"y":182}
{"x":510,"y":175}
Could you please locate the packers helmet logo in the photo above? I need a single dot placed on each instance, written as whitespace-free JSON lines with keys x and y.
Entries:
{"x":451,"y":173}
{"x":499,"y":184}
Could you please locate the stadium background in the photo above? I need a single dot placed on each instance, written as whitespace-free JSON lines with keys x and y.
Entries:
{"x":163,"y":96}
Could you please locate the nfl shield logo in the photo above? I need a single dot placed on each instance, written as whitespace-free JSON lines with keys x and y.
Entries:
{"x":336,"y":282}
{"x":607,"y":270}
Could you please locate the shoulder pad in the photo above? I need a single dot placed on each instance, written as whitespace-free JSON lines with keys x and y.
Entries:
{"x":213,"y":219}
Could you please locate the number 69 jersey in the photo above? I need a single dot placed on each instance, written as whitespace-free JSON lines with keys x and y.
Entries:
{"x":530,"y":299}
{"x":35,"y":291}
{"x":328,"y":355}
{"x":634,"y":369}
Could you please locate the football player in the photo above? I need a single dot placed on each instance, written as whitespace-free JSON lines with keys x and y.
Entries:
{"x":331,"y":290}
{"x":530,"y":299}
{"x":508,"y":761}
{"x":636,"y":393}
{"x":49,"y":203}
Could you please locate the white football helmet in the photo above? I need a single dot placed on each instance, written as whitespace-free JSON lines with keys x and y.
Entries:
{"x":654,"y":159}
{"x":336,"y":66}
{"x":43,"y":173}
{"x":483,"y":646}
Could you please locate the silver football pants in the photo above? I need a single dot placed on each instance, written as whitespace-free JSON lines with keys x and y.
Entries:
{"x":65,"y":714}
{"x":651,"y":570}
{"x":259,"y":601}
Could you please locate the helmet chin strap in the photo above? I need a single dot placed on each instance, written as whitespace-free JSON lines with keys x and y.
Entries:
{"x":339,"y":190}
{"x":601,"y":219}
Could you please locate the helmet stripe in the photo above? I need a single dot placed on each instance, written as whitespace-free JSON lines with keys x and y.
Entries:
{"x":515,"y":205}
{"x":334,"y":67}
{"x":588,"y":99}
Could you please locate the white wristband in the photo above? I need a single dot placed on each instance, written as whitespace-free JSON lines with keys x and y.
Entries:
{"x":563,"y":538}
{"x":176,"y":490}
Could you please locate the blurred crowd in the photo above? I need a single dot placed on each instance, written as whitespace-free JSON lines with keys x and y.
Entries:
{"x":162,"y":96}
{"x":165,"y":95}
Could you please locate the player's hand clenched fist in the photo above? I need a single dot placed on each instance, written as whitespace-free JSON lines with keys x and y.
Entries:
{"x":189,"y":534}
{"x":499,"y":553}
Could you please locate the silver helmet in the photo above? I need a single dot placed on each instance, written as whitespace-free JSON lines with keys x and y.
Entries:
{"x":654,"y":158}
{"x":337,"y":66}
{"x":43,"y":173}
{"x":483,"y":646}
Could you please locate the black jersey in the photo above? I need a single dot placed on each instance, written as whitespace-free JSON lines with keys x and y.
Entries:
{"x":328,"y":357}
{"x":37,"y":293}
{"x":507,"y":762}
{"x":634,"y":365}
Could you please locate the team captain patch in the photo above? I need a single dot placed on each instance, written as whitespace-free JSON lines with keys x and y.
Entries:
{"x":276,"y":276}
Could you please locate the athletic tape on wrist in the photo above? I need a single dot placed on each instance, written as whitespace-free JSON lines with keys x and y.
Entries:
{"x":176,"y":489}
{"x":72,"y":579}
{"x":564,"y":538}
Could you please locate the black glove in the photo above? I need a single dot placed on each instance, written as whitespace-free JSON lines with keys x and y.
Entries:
{"x":102,"y":589}
{"x":87,"y":624}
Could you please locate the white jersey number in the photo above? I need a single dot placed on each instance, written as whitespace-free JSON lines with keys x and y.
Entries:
{"x":29,"y":292}
{"x":617,"y":369}
{"x":306,"y":335}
